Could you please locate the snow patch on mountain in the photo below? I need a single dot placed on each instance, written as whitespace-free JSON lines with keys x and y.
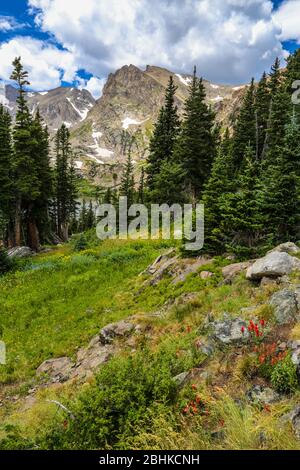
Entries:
{"x":82,"y":113}
{"x":185,"y":81}
{"x":130,"y":122}
{"x":217,"y":98}
{"x":214,"y":86}
{"x":43,"y":93}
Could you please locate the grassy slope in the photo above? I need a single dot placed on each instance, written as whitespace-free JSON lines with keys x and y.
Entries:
{"x":56,"y":307}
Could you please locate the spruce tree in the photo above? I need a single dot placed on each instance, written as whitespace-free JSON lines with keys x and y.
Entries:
{"x":262,"y":111}
{"x":195,"y":148}
{"x":65,"y":182}
{"x":6,"y":175}
{"x":245,"y":128}
{"x":164,"y":135}
{"x":240,"y":223}
{"x":280,"y":190}
{"x":127,"y":181}
{"x":27,"y":186}
{"x":220,"y":183}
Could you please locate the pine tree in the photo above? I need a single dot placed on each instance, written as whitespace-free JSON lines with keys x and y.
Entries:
{"x":275,"y":77}
{"x":245,"y":129}
{"x":141,"y":190}
{"x":262,"y":111}
{"x":240,"y":222}
{"x":38,"y":211}
{"x":219,"y":184}
{"x":65,"y":182}
{"x":195,"y":148}
{"x":169,"y":184}
{"x":164,"y":135}
{"x":127,"y":181}
{"x":27,"y":187}
{"x":280,"y":190}
{"x":6,"y":175}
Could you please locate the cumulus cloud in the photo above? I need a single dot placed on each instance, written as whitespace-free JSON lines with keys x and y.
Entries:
{"x":287,"y":17}
{"x":229,"y":40}
{"x":47,"y":65}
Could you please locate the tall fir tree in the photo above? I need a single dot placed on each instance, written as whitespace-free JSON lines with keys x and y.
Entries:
{"x":127,"y":181}
{"x":262,"y":112}
{"x":220,"y":183}
{"x":164,"y":135}
{"x":195,"y":147}
{"x":6,"y":177}
{"x":279,"y":197}
{"x":245,"y":128}
{"x":65,"y":182}
{"x":27,"y":186}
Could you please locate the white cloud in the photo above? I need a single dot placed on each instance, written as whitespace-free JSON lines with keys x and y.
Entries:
{"x":94,"y":85}
{"x":229,"y":40}
{"x":47,"y":65}
{"x":287,"y":17}
{"x":9,"y":23}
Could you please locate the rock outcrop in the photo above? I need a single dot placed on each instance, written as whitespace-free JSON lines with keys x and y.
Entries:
{"x":20,"y":252}
{"x":274,"y":264}
{"x":285,"y":306}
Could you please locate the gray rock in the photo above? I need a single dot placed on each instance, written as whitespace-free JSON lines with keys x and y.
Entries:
{"x":287,"y":247}
{"x":285,"y":306}
{"x":275,"y":264}
{"x":294,"y":419}
{"x":181,"y":379}
{"x":263,"y":395}
{"x":206,"y":347}
{"x":232,"y":270}
{"x":57,"y":370}
{"x":206,"y":275}
{"x":20,"y":252}
{"x":113,"y":330}
{"x":229,"y":331}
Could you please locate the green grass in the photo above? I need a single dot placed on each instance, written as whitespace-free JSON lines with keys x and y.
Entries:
{"x":61,"y":299}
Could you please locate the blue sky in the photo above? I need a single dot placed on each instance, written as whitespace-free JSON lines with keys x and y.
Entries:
{"x":75,"y":42}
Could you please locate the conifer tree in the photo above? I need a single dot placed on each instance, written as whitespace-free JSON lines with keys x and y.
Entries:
{"x":245,"y":128}
{"x":279,"y":201}
{"x":220,"y":183}
{"x":195,"y":148}
{"x":164,"y":135}
{"x":141,"y":190}
{"x":6,"y":175}
{"x":27,"y":187}
{"x":127,"y":181}
{"x":262,"y":112}
{"x":65,"y":182}
{"x":240,"y":223}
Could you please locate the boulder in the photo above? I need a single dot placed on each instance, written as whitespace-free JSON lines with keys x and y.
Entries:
{"x":181,"y":379}
{"x":289,"y":247}
{"x":57,"y":370}
{"x":20,"y":252}
{"x":229,"y":331}
{"x":232,"y":270}
{"x":205,"y":275}
{"x":113,"y":330}
{"x":285,"y":306}
{"x":262,"y":395}
{"x":275,"y":264}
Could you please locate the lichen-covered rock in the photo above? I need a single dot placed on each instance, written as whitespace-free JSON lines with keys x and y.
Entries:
{"x":120,"y":329}
{"x":229,"y":331}
{"x":294,"y":419}
{"x":262,"y":395}
{"x":57,"y":370}
{"x":285,"y":306}
{"x":275,"y":264}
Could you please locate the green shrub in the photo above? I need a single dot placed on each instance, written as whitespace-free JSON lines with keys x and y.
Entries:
{"x":81,"y":243}
{"x":126,"y":392}
{"x":6,"y":263}
{"x":284,"y":376}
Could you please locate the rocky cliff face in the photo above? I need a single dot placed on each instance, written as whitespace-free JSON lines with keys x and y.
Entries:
{"x":68,"y":105}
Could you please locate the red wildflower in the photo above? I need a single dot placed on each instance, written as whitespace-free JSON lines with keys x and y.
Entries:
{"x":243,"y":329}
{"x":194,"y":387}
